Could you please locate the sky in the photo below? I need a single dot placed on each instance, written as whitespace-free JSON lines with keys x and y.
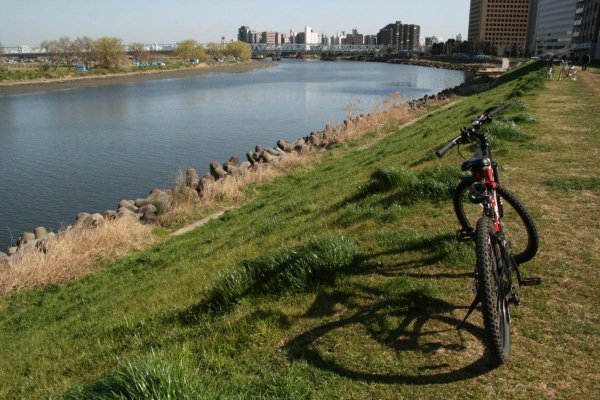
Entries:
{"x":29,"y":22}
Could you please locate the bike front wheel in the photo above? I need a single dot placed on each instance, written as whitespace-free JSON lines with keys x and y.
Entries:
{"x":517,"y":224}
{"x":493,"y":288}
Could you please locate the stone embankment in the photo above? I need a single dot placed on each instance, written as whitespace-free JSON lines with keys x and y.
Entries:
{"x":160,"y":201}
{"x":467,"y":67}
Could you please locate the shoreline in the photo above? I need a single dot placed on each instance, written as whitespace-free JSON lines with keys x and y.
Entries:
{"x":25,"y":87}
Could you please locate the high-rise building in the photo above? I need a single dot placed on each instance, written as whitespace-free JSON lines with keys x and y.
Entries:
{"x":552,"y":27}
{"x":410,"y":37}
{"x":354,"y":38}
{"x":586,"y":29}
{"x":501,"y":23}
{"x":400,"y":36}
{"x":430,"y":41}
{"x":271,"y":38}
{"x":311,"y":37}
{"x":338,"y":38}
{"x":244,"y":34}
{"x":371,"y":40}
{"x":390,"y":35}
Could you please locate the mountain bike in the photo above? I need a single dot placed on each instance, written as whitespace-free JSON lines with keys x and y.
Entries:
{"x":504,"y":234}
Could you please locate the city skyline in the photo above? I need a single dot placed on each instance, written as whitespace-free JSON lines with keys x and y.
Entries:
{"x":157,"y":22}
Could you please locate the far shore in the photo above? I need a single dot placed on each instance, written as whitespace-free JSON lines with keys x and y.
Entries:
{"x":22,"y":87}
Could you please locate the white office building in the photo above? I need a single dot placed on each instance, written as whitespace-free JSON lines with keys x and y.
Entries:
{"x":312,"y":37}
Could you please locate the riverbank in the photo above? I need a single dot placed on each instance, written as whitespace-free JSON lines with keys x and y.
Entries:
{"x":451,"y":65}
{"x":23,"y":87}
{"x":361,"y":282}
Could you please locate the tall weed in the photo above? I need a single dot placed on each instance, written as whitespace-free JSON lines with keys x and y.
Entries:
{"x":436,"y":183}
{"x":156,"y":376}
{"x":318,"y":262}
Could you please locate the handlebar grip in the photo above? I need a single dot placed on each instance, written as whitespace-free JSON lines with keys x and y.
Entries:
{"x":443,"y":150}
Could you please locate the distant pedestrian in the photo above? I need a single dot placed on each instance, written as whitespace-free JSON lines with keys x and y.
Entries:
{"x":585,"y":60}
{"x":549,"y":68}
{"x":563,"y":67}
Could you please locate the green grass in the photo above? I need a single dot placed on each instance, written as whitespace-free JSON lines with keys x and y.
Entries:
{"x":19,"y":75}
{"x":340,"y":280}
{"x":574,"y":184}
{"x":156,"y":376}
{"x":300,"y":269}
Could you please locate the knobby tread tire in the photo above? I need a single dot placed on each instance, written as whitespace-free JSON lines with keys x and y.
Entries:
{"x":507,"y":197}
{"x":495,"y":321}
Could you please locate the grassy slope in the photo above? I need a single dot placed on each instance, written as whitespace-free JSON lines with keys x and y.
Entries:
{"x":383,"y":330}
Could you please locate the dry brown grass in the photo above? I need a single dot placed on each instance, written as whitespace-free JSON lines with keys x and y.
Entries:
{"x":73,"y":253}
{"x":230,"y":189}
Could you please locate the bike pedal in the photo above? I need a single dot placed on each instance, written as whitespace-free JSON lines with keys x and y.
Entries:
{"x":531,"y":282}
{"x":465,"y":236}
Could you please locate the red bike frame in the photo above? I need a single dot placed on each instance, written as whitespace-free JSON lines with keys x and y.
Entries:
{"x":487,"y":177}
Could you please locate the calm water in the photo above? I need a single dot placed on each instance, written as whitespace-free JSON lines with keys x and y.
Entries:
{"x":85,"y":149}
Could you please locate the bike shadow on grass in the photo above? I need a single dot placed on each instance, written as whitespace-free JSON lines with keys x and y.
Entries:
{"x":413,"y":333}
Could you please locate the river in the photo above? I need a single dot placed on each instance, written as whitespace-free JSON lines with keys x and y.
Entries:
{"x":85,"y":149}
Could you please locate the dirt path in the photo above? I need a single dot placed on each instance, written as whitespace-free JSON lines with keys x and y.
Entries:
{"x":203,"y":221}
{"x":563,"y":188}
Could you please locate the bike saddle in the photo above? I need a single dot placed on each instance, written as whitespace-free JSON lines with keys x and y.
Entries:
{"x":477,"y":162}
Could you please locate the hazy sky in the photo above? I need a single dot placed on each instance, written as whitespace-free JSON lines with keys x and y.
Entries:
{"x":152,"y":21}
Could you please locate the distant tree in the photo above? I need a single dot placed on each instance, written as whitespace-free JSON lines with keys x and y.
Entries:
{"x":214,"y":50}
{"x":190,"y":49}
{"x":515,"y":50}
{"x":138,"y":52}
{"x":437,"y":49}
{"x":1,"y":49}
{"x":468,"y":47}
{"x":488,"y":48}
{"x":53,"y":54}
{"x":109,"y":52}
{"x":64,"y":47}
{"x":450,"y":47}
{"x":83,"y":47}
{"x":240,"y":50}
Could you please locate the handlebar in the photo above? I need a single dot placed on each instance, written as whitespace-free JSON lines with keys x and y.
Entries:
{"x":443,"y":150}
{"x":498,"y":109}
{"x":466,"y":135}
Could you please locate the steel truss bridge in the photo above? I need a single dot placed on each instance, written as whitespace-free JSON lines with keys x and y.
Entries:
{"x":293,"y":48}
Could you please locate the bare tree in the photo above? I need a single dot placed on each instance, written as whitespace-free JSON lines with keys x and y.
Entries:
{"x":109,"y":52}
{"x":138,"y":52}
{"x":84,"y":46}
{"x":51,"y":47}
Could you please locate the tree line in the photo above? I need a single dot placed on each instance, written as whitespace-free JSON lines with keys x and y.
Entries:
{"x":110,"y":52}
{"x":452,"y":46}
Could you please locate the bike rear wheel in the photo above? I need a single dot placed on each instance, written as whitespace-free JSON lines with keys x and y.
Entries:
{"x":493,"y":289}
{"x":517,"y":224}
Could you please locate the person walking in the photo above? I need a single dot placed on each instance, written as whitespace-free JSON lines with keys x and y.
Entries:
{"x":585,"y":60}
{"x":549,"y":68}
{"x":563,"y":67}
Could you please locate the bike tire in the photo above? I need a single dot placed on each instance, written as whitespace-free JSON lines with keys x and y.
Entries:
{"x":492,"y":286}
{"x":518,"y":225}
